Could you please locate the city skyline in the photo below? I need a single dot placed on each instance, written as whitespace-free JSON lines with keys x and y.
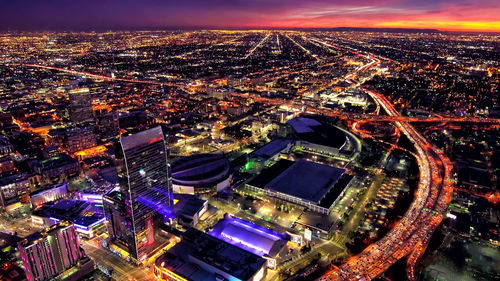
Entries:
{"x":445,"y":15}
{"x":250,"y":140}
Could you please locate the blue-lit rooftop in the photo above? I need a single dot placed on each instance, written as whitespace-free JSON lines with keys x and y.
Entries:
{"x":313,"y":131}
{"x":249,"y":236}
{"x":272,"y":148}
{"x":80,"y":212}
{"x":303,"y":125}
{"x":199,"y":256}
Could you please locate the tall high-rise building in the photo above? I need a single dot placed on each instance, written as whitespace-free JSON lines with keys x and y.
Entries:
{"x":145,"y":196}
{"x":80,"y":105}
{"x":46,"y":255}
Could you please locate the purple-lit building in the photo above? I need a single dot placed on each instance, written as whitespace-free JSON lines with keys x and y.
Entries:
{"x":145,"y":195}
{"x":90,"y":197}
{"x":202,"y":257}
{"x":87,"y":217}
{"x":48,"y":254}
{"x":251,"y":237}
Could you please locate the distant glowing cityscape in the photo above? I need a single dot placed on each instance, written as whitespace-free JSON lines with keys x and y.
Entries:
{"x":235,"y":141}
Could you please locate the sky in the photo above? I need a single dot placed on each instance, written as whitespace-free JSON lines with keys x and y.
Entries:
{"x":453,"y":15}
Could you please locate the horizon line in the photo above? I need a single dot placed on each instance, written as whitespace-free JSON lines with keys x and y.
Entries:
{"x":247,"y":28}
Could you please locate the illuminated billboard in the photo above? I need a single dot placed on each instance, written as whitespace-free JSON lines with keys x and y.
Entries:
{"x":150,"y":233}
{"x":307,"y":234}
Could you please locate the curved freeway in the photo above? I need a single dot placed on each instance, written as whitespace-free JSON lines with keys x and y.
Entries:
{"x":410,"y":236}
{"x":412,"y":233}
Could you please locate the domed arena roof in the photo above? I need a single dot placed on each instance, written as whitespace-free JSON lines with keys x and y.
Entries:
{"x":200,"y":170}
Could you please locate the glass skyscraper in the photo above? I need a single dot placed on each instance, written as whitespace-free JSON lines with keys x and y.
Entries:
{"x":145,"y":196}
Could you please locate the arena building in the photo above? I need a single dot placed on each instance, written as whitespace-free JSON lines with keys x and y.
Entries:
{"x":308,"y":184}
{"x":201,"y":173}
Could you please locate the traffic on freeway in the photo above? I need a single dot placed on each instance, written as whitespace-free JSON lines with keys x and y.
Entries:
{"x":412,"y":233}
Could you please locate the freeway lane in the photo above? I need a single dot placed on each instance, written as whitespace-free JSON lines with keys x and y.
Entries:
{"x":412,"y":233}
{"x":98,"y":76}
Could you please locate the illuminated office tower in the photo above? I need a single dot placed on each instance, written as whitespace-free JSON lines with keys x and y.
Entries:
{"x":46,"y":255}
{"x":145,"y":195}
